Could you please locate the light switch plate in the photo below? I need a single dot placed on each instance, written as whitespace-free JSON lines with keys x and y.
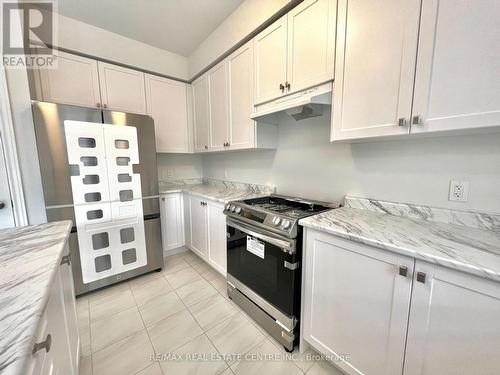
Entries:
{"x":459,"y":191}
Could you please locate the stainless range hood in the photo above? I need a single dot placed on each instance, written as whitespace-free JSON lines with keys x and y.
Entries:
{"x":300,"y":105}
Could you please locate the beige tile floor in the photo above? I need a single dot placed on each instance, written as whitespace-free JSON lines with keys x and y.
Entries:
{"x":182,"y":315}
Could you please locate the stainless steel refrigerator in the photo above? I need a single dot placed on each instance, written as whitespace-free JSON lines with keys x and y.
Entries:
{"x":59,"y":175}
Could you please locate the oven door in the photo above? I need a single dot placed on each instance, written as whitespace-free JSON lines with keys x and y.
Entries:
{"x":266,"y":264}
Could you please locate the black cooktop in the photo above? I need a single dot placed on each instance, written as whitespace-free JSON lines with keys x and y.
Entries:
{"x":294,"y":207}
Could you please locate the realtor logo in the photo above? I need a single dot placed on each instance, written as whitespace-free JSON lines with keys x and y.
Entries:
{"x":28,"y":33}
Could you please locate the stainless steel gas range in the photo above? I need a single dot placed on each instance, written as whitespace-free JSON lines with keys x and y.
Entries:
{"x":264,"y":252}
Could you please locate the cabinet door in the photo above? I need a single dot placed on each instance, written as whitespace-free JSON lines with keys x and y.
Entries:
{"x":75,"y":81}
{"x":453,"y":326}
{"x":240,"y":75}
{"x":199,"y":235}
{"x":457,"y":83}
{"x":70,"y":309}
{"x":270,"y":61}
{"x":167,"y":105}
{"x":374,"y":68}
{"x":201,"y":116}
{"x":172,"y":222}
{"x":218,"y":106}
{"x":57,"y":359}
{"x":217,"y":255}
{"x":356,"y":304}
{"x":122,"y":89}
{"x":311,"y":43}
{"x":187,"y":219}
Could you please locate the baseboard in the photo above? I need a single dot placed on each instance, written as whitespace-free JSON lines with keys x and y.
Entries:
{"x":178,"y":250}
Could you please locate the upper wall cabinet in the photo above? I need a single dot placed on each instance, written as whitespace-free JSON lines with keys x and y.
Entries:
{"x":74,"y":82}
{"x":297,"y":51}
{"x":374,"y":71}
{"x":240,"y":94}
{"x":270,"y":61}
{"x":457,"y":83}
{"x":122,"y":89}
{"x":218,"y":106}
{"x":201,"y":116}
{"x":452,"y":84}
{"x":167,"y":104}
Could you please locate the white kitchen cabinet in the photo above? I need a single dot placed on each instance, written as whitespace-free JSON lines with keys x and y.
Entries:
{"x":122,"y":89}
{"x":68,"y":290}
{"x":355,"y":303}
{"x":217,"y":255}
{"x":374,"y":70}
{"x":199,"y":226}
{"x":167,"y":104}
{"x":187,"y":220}
{"x":457,"y":84}
{"x":75,"y":81}
{"x":270,"y":56}
{"x":218,"y":106}
{"x":297,"y":51}
{"x":453,"y":327}
{"x":172,"y":221}
{"x":55,"y":323}
{"x":201,"y":115}
{"x":311,"y":44}
{"x":240,"y":95}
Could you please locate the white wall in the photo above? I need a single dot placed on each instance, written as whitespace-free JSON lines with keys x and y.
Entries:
{"x":414,"y":171}
{"x":91,"y":40}
{"x":245,"y":19}
{"x":180,"y":166}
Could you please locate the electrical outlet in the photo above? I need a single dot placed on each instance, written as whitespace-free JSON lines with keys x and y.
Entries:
{"x":459,"y":191}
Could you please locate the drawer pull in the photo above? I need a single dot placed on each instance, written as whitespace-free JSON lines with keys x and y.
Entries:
{"x":421,"y":277}
{"x":66,"y":260}
{"x":43,"y":345}
{"x":403,"y":271}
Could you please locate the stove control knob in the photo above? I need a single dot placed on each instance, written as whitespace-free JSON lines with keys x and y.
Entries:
{"x":232,"y":208}
{"x":238,"y":210}
{"x":227,"y":207}
{"x":285,"y":224}
{"x":276,"y":220}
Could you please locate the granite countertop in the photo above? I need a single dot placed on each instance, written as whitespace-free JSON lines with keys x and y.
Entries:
{"x":29,"y":259}
{"x":216,"y":190}
{"x":466,"y":241}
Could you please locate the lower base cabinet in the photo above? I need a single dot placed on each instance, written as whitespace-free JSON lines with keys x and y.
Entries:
{"x":363,"y":306}
{"x":172,"y":218}
{"x":57,"y":342}
{"x":205,"y":228}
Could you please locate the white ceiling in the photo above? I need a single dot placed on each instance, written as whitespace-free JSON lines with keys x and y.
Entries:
{"x":178,"y":26}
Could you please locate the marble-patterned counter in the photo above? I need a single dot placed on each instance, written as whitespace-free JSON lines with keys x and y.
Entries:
{"x":466,"y":241}
{"x":29,"y":259}
{"x":216,"y":190}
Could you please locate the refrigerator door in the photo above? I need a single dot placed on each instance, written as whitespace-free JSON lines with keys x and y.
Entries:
{"x":147,"y":155}
{"x":51,"y":143}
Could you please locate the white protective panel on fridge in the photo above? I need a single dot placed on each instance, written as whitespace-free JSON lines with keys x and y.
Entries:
{"x":107,"y":198}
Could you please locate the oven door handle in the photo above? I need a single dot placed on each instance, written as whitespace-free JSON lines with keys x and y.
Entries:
{"x":288,"y":246}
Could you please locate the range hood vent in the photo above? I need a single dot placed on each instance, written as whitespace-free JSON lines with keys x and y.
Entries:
{"x":300,"y":105}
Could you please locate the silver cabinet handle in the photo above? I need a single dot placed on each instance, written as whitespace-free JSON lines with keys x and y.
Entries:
{"x":206,"y":147}
{"x":104,"y":106}
{"x":66,"y":260}
{"x":287,"y":85}
{"x":163,"y":199}
{"x":402,"y":122}
{"x":2,"y":205}
{"x":98,"y":105}
{"x":417,"y":120}
{"x":43,"y":345}
{"x":282,"y":87}
{"x":403,"y":271}
{"x":421,"y":276}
